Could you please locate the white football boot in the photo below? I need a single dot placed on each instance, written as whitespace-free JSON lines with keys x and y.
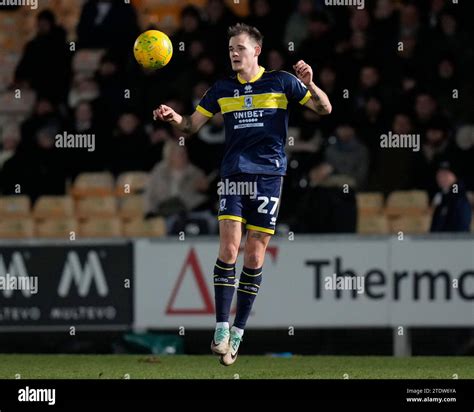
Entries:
{"x":231,"y":356}
{"x":220,"y":342}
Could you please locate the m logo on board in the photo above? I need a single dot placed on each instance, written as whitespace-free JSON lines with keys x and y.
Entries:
{"x":83,"y":277}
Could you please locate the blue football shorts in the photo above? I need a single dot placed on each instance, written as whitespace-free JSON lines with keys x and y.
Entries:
{"x":251,"y":199}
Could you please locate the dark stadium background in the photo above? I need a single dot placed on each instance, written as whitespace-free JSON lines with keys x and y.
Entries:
{"x":93,"y":85}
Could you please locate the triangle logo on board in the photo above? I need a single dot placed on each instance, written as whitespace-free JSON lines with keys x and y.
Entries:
{"x":191,"y":267}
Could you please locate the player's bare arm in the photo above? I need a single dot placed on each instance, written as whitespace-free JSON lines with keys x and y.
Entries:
{"x":319,"y":101}
{"x":187,"y":124}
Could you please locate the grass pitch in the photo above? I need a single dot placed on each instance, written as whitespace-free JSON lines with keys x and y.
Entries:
{"x":246,"y":367}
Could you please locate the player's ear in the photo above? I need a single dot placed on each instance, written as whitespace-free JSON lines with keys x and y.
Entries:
{"x":258,"y":50}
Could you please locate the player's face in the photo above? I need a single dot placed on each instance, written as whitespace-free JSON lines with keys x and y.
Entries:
{"x":243,"y":52}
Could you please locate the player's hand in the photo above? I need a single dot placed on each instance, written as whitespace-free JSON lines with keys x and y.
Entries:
{"x":304,"y":72}
{"x":165,"y":114}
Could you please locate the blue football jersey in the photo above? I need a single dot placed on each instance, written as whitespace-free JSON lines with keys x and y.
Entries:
{"x":255,"y":118}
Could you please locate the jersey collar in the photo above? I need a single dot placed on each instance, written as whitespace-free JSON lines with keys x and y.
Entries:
{"x":254,"y":79}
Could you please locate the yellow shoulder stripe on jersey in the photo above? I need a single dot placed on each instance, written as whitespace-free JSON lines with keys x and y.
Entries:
{"x":305,"y":98}
{"x":259,"y":101}
{"x":203,"y":111}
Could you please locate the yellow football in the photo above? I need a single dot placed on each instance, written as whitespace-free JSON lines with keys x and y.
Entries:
{"x":153,"y":49}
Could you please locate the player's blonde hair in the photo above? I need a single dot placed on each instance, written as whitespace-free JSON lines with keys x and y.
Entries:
{"x":240,"y":28}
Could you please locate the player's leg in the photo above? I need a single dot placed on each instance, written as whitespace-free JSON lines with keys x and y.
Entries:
{"x":230,"y":234}
{"x":249,"y":284}
{"x":261,"y":211}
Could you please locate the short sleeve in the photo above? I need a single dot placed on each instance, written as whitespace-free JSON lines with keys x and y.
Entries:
{"x":208,"y":106}
{"x":294,"y":88}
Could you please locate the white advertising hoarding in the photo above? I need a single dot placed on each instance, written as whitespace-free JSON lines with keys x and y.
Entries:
{"x":413,"y":282}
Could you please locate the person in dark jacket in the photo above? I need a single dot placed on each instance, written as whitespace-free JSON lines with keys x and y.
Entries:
{"x":45,"y":64}
{"x":452,"y":209}
{"x":108,"y":24}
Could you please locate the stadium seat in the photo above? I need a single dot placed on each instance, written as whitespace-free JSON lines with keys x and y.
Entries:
{"x":162,"y":13}
{"x":57,"y":227}
{"x":17,"y":228}
{"x":131,"y":182}
{"x":132,"y":206}
{"x":15,"y":206}
{"x":53,"y":207}
{"x":410,"y":202}
{"x":411,"y":224}
{"x":96,"y":206}
{"x":369,"y":203}
{"x":93,"y":184}
{"x":155,"y":227}
{"x":101,"y":227}
{"x":372,"y":225}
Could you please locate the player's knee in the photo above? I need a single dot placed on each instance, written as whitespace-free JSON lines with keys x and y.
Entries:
{"x":253,"y":259}
{"x":228,"y":253}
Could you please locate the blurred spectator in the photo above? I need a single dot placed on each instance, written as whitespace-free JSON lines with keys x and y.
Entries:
{"x":264,"y":17}
{"x":44,"y":112}
{"x":83,"y":89}
{"x":297,"y":26}
{"x":129,"y":145}
{"x":329,"y":80}
{"x":112,"y":86}
{"x":325,"y":207}
{"x":206,"y":149}
{"x":276,"y":60}
{"x":10,"y":140}
{"x":410,"y":60}
{"x":447,"y":37}
{"x":426,"y":110}
{"x":45,"y":64}
{"x":348,"y":156}
{"x":206,"y":69}
{"x":370,"y":85}
{"x":371,"y":124}
{"x":84,"y":123}
{"x":452,"y":211}
{"x":44,"y":173}
{"x":176,"y":188}
{"x":455,"y":97}
{"x":175,"y":184}
{"x":158,"y":135}
{"x":108,"y":24}
{"x":436,"y":148}
{"x":317,"y":46}
{"x":410,"y":24}
{"x":385,"y":25}
{"x":393,"y":166}
{"x":219,"y":18}
{"x":465,"y":143}
{"x":436,"y":7}
{"x":190,"y":31}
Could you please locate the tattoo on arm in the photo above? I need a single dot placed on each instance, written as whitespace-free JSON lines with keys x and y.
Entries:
{"x":321,"y":108}
{"x":256,"y":235}
{"x":186,"y":124}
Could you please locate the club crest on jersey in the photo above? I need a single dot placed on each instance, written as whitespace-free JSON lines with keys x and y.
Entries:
{"x":248,"y":101}
{"x":248,"y":88}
